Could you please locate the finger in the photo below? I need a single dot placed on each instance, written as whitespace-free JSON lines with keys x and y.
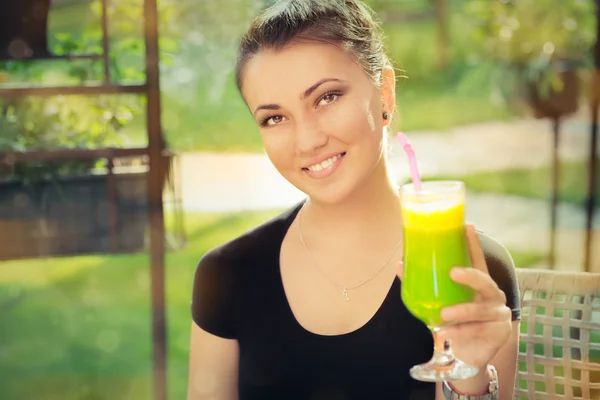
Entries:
{"x":475,"y":250}
{"x":475,"y":312}
{"x":400,"y":270}
{"x":483,"y":284}
{"x":490,"y":331}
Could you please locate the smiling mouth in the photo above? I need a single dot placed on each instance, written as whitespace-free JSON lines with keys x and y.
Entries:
{"x":324,"y":164}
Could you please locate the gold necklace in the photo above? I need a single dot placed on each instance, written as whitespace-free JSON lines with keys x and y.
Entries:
{"x":344,"y":288}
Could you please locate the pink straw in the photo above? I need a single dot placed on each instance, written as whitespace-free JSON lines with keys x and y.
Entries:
{"x":412,"y":161}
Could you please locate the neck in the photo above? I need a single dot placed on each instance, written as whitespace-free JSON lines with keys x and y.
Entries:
{"x":371,"y":211}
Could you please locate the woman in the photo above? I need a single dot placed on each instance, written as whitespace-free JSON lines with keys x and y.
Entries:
{"x":270,"y":321}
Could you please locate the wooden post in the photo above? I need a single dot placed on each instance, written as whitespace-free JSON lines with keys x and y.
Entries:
{"x":592,"y":165}
{"x":105,"y":45}
{"x":442,"y":33}
{"x":554,"y":198}
{"x":112,"y":206}
{"x":155,"y":200}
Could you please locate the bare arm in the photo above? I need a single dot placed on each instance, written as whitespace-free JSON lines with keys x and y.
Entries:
{"x":213,"y":367}
{"x":505,"y":362}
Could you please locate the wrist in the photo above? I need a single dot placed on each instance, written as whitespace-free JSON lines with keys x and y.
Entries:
{"x":475,"y":386}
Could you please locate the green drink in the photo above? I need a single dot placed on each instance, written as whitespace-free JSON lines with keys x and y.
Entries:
{"x":434,"y":243}
{"x":430,"y":252}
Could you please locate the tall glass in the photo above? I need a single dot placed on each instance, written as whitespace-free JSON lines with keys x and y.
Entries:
{"x":435,"y":242}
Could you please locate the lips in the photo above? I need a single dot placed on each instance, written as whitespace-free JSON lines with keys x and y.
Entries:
{"x":325,"y":164}
{"x":326,"y":167}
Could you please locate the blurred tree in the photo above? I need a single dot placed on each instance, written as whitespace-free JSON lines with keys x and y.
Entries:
{"x":60,"y":122}
{"x":443,"y":34}
{"x":80,"y":121}
{"x":531,"y":44}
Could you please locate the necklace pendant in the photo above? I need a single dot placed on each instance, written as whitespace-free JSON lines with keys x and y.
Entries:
{"x":346,"y":297}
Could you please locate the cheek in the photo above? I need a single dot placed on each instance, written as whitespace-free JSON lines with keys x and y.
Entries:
{"x":353,"y":121}
{"x":279,"y":147}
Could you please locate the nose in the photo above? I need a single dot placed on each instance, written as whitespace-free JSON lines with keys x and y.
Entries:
{"x":309,"y":137}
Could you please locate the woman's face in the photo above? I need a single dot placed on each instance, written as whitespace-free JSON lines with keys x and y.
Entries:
{"x":320,"y":117}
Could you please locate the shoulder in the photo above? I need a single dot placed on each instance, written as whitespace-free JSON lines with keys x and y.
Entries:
{"x":219,"y":275}
{"x":496,"y":253}
{"x":502,"y":270}
{"x":256,"y":242}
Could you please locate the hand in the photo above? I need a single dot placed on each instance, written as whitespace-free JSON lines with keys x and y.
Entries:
{"x":480,"y":328}
{"x":483,"y":326}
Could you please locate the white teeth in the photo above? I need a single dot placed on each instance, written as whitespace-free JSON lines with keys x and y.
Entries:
{"x":324,"y":165}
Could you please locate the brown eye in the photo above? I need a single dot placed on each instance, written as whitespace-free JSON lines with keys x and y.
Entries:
{"x":275,"y":120}
{"x":328,"y":99}
{"x":272,"y":121}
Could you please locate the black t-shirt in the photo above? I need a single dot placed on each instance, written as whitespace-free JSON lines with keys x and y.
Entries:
{"x":238,"y":294}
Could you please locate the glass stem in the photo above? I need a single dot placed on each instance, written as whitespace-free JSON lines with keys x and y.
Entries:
{"x":442,"y":350}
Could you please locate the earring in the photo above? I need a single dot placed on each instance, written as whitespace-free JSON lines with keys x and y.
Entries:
{"x":386,"y":115}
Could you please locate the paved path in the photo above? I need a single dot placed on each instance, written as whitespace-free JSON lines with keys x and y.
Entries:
{"x":235,"y":182}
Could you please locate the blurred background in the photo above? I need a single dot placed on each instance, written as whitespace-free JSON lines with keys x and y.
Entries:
{"x":497,"y":93}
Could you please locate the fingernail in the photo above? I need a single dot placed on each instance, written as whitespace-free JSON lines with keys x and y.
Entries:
{"x":457,"y":272}
{"x":446,"y":314}
{"x":400,"y":269}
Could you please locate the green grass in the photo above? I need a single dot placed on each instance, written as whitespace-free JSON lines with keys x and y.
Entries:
{"x":534,"y":183}
{"x":79,"y":327}
{"x":527,"y":259}
{"x":441,"y":106}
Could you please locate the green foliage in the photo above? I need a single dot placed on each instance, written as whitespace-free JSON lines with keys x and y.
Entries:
{"x":198,"y":41}
{"x":33,"y":123}
{"x":68,"y":121}
{"x":526,"y":41}
{"x":525,"y":31}
{"x":62,"y":122}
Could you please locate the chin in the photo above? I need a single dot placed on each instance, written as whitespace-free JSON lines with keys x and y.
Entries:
{"x":327,"y":198}
{"x":328,"y":194}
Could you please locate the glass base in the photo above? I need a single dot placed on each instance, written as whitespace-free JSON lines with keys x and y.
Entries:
{"x":442,"y":368}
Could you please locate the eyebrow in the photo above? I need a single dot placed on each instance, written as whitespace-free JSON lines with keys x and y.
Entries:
{"x":306,"y":93}
{"x":314,"y":87}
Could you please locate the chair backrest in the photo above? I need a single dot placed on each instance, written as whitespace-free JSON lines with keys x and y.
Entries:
{"x":559,"y":349}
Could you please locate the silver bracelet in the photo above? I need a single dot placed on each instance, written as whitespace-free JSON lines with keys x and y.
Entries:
{"x":492,"y":393}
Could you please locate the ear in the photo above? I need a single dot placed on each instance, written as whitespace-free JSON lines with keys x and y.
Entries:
{"x":388,"y":91}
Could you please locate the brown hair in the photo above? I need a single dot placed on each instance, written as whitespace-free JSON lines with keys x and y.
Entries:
{"x":348,"y":24}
